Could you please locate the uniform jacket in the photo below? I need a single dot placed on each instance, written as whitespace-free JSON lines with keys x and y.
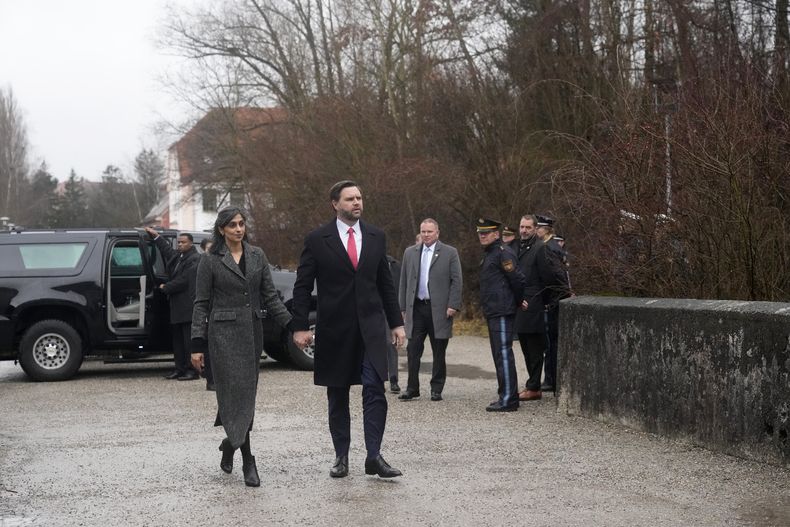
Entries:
{"x":350,"y":303}
{"x":540,"y":275}
{"x":180,"y":289}
{"x":502,"y":283}
{"x":229,"y":307}
{"x":444,"y":286}
{"x":560,"y":286}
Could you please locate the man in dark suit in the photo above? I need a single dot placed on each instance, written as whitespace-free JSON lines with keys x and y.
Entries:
{"x":347,"y":259}
{"x":429,"y":296}
{"x":181,"y":265}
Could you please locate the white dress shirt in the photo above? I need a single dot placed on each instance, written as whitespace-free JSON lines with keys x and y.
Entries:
{"x":425,"y":268}
{"x":342,"y":230}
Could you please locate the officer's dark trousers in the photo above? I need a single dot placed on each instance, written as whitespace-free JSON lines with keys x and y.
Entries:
{"x":374,"y":412}
{"x":552,"y":335}
{"x":423,"y":326}
{"x":500,"y":335}
{"x":533,"y":345}
{"x":181,"y":341}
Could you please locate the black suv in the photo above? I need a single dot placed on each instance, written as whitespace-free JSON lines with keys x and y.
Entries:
{"x":70,"y":294}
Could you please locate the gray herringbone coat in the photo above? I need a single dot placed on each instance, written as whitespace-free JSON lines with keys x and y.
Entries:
{"x":228,"y":310}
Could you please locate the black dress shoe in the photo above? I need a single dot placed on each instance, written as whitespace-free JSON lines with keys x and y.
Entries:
{"x":227,"y":456}
{"x":210,"y":387}
{"x":174,"y":375}
{"x":409,"y":395}
{"x":497,"y":407}
{"x":436,"y":396}
{"x":394,"y":388}
{"x":340,"y":468}
{"x":381,"y":468}
{"x":250,"y":471}
{"x":189,"y":376}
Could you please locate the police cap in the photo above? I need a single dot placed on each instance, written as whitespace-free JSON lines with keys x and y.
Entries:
{"x":507,"y":231}
{"x":544,"y":221}
{"x":487,"y":225}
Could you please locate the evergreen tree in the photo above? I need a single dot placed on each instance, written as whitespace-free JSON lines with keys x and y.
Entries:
{"x":38,"y":197}
{"x":70,"y":208}
{"x":112,"y":202}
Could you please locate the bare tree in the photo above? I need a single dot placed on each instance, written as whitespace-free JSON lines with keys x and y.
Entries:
{"x":13,"y":153}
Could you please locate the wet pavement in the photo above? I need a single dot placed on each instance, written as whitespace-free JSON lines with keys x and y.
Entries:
{"x":119,"y":445}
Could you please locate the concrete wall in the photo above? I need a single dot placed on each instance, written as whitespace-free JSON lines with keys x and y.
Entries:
{"x":716,"y":373}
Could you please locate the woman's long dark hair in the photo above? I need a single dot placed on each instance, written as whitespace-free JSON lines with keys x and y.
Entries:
{"x":223,"y":218}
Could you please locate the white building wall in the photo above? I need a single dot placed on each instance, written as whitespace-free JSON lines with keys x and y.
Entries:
{"x":186,"y":205}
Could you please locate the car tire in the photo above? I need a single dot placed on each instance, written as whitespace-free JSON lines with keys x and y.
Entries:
{"x":276,"y":349}
{"x":50,"y":350}
{"x":302,"y":358}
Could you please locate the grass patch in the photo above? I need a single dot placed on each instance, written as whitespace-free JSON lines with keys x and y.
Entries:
{"x":475,"y":327}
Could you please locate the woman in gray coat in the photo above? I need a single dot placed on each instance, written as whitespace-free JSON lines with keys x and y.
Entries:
{"x":234,"y":286}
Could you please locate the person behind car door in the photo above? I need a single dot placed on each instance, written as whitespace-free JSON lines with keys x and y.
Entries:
{"x":181,"y":265}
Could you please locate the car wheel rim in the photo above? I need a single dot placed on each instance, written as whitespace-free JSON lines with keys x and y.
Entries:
{"x":51,"y":351}
{"x":310,"y":349}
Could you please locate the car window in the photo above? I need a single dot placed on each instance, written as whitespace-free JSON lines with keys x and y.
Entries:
{"x":126,"y":261}
{"x":40,"y":256}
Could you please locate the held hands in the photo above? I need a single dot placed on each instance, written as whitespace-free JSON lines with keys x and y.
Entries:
{"x":198,"y":362}
{"x":398,"y":336}
{"x":302,"y":339}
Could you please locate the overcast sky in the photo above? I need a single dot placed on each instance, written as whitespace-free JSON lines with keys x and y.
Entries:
{"x":85,"y":75}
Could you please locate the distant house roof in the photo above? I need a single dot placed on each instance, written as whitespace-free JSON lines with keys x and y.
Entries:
{"x":159,"y":213}
{"x":218,"y":132}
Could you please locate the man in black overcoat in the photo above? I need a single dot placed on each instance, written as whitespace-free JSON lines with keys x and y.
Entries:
{"x":357,"y":302}
{"x":530,"y":325}
{"x":181,"y":265}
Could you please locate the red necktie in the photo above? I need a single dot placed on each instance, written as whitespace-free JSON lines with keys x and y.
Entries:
{"x":352,"y":247}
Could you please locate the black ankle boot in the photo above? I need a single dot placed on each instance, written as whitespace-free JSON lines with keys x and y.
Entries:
{"x":227,"y":456}
{"x":251,"y":478}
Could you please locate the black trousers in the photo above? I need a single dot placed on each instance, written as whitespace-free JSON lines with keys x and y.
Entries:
{"x":181,"y":341}
{"x":422,"y":327}
{"x":533,"y":345}
{"x":374,"y":412}
{"x":500,"y":336}
{"x":552,"y":336}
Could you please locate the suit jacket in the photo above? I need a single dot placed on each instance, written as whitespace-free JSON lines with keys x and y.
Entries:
{"x":351,"y":303}
{"x":229,"y":309}
{"x":444,"y":286}
{"x":180,"y":289}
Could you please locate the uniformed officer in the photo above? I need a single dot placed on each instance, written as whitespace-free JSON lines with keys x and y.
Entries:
{"x":558,"y":260}
{"x":502,"y":287}
{"x":508,"y":235}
